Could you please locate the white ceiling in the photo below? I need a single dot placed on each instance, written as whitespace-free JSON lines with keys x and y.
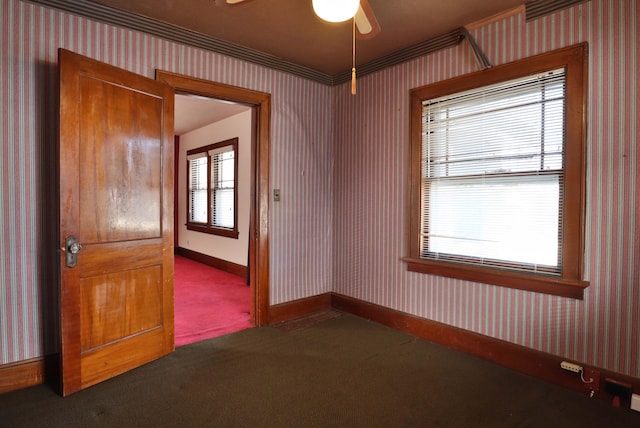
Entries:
{"x":193,"y":112}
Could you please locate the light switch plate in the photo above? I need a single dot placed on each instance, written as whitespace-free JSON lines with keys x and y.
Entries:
{"x":276,"y":195}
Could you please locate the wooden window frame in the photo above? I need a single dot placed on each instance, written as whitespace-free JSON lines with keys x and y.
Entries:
{"x":569,"y":283}
{"x":208,"y":227}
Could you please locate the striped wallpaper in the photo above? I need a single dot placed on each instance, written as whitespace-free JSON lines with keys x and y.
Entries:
{"x":340,"y":162}
{"x":301,"y":161}
{"x":371,"y":150}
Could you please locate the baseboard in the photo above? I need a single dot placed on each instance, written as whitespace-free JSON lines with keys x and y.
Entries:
{"x":215,"y":262}
{"x":299,"y":308}
{"x":516,"y":357}
{"x":23,"y":374}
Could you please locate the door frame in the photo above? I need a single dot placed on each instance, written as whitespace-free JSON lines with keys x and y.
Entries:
{"x":260,"y":103}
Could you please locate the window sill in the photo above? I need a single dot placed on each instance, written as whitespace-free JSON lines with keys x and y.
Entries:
{"x":227,"y":233}
{"x":521,"y":281}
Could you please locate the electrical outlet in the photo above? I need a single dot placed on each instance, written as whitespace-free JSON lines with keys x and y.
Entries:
{"x":635,"y":402}
{"x":591,"y":379}
{"x":566,"y":365}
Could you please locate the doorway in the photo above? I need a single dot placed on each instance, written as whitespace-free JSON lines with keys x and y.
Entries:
{"x":260,"y":106}
{"x":211,"y":293}
{"x":126,"y":185}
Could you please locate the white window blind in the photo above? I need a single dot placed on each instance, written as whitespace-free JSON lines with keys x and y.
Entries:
{"x":222,"y":187}
{"x":492,"y":175}
{"x":198,"y":188}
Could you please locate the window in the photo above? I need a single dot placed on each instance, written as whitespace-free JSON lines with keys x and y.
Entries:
{"x":212,"y":174}
{"x":497,"y":175}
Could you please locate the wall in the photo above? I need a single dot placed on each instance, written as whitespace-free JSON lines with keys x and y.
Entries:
{"x":300,"y":161}
{"x":371,"y":158}
{"x":230,"y":249}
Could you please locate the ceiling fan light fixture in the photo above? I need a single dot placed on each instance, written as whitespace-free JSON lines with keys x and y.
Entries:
{"x":335,"y":10}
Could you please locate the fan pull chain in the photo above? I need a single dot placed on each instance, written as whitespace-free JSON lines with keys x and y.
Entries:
{"x":353,"y":66}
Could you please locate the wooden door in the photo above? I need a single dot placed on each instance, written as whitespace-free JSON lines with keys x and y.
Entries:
{"x":116,"y":199}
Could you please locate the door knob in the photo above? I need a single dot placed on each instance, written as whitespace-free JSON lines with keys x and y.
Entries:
{"x":73,"y":248}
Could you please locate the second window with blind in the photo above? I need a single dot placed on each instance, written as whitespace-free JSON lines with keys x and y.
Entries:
{"x":497,"y":175}
{"x":212,"y":176}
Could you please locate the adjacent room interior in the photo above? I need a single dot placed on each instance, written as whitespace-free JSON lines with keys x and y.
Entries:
{"x":209,"y":301}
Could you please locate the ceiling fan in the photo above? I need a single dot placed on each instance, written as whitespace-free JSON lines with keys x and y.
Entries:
{"x":365,"y":21}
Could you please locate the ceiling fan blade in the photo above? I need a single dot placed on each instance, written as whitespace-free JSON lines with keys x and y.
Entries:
{"x":235,"y":1}
{"x":366,"y":21}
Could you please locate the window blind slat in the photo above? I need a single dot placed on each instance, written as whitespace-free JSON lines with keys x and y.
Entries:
{"x":212,"y":182}
{"x":223,"y":187}
{"x":198,"y":189}
{"x":492,"y":162}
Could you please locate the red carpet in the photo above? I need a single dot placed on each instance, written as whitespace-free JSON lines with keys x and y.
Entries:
{"x":208,"y":302}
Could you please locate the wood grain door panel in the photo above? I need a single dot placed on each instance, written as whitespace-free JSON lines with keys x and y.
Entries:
{"x":120,"y":163}
{"x":119,"y":305}
{"x":104,"y":258}
{"x":120,"y":357}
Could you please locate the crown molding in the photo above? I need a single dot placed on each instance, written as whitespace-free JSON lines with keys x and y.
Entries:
{"x":154,"y":27}
{"x":539,"y":8}
{"x":174,"y":33}
{"x":403,"y":55}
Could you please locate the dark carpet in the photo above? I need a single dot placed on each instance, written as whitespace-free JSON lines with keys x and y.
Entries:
{"x":342,"y":371}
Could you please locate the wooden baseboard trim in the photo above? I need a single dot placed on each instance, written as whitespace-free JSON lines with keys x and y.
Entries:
{"x":23,"y":374}
{"x":215,"y":262}
{"x":516,"y":357}
{"x":299,"y":308}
